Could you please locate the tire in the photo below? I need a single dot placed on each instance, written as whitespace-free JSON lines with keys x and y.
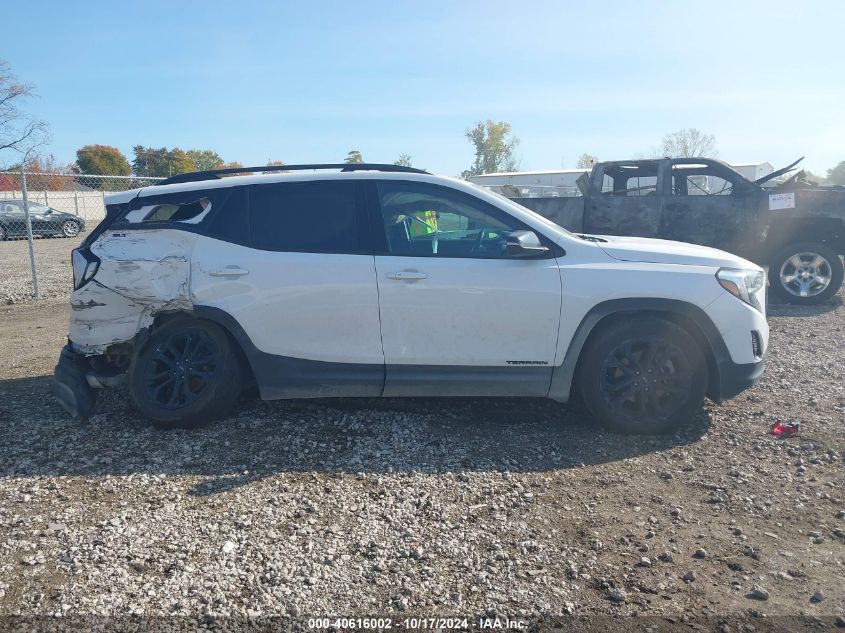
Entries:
{"x":70,"y":228}
{"x":615,"y":393}
{"x":186,"y":375}
{"x":805,"y":267}
{"x":3,"y":235}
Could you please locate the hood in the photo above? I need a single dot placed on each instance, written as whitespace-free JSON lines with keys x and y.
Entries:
{"x":647,"y":250}
{"x":778,"y":172}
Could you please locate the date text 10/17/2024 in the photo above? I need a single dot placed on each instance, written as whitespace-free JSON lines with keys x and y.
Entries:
{"x":418,"y":624}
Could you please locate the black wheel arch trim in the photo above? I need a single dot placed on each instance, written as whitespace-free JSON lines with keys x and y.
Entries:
{"x":718,"y":356}
{"x":285,"y":377}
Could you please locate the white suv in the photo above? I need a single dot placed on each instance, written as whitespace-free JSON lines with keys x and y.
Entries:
{"x":377,"y":280}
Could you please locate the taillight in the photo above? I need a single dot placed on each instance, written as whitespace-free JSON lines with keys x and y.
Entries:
{"x":85,"y":265}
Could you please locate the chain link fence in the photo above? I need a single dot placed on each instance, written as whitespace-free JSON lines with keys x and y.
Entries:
{"x":43,"y":216}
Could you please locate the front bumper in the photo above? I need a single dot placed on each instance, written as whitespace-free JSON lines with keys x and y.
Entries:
{"x":734,"y":378}
{"x":70,"y":386}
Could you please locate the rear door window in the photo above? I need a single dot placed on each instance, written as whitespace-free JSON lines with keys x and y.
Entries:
{"x":313,"y":217}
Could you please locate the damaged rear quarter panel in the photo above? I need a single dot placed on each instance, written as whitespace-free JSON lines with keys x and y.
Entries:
{"x":142,"y":273}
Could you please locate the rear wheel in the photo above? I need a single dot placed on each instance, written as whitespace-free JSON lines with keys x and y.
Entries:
{"x":3,"y":234}
{"x":643,"y":375}
{"x":187,"y":374}
{"x":805,"y":273}
{"x":70,"y":228}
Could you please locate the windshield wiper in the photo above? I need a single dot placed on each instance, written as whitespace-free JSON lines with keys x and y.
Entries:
{"x":590,"y":238}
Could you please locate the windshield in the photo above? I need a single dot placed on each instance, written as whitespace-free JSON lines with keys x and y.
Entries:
{"x":516,"y":206}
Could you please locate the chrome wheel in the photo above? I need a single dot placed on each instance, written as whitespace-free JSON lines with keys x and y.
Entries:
{"x":805,"y":274}
{"x":70,"y":229}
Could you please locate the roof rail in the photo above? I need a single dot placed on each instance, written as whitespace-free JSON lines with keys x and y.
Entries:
{"x":213,"y":174}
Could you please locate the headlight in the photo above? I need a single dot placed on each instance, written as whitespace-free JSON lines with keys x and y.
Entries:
{"x":746,"y":285}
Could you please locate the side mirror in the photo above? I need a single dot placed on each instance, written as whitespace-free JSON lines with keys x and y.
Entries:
{"x":525,"y":244}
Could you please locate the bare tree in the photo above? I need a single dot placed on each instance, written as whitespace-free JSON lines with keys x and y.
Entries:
{"x":689,"y":143}
{"x":586,"y":161}
{"x":18,"y":131}
{"x":404,"y":160}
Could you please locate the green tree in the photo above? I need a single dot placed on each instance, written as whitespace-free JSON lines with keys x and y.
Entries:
{"x":836,"y":175}
{"x":204,"y":159}
{"x":404,"y":160}
{"x":180,"y":162}
{"x":586,"y":161}
{"x":354,"y":156}
{"x":102,"y":159}
{"x":494,"y":147}
{"x":689,"y":143}
{"x":160,"y":162}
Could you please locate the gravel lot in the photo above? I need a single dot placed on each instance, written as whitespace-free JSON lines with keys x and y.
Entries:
{"x":420,"y":507}
{"x":52,"y":261}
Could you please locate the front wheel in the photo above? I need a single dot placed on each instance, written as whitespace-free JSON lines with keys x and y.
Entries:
{"x":806,"y":273}
{"x":187,"y":374}
{"x":643,"y":375}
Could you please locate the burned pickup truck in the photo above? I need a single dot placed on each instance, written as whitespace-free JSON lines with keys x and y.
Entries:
{"x":796,"y":228}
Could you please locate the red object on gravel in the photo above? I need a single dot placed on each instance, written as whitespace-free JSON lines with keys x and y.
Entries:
{"x":785,"y":429}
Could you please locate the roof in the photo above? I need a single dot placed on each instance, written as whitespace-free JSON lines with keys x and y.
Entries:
{"x":293,"y":176}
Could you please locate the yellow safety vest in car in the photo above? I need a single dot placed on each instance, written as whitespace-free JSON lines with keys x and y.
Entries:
{"x":424,"y":224}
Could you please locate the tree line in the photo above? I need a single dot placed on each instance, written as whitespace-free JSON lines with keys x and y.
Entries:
{"x":161,"y":162}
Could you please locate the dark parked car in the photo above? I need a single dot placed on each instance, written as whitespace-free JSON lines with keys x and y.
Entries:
{"x":44,"y":220}
{"x":796,"y":228}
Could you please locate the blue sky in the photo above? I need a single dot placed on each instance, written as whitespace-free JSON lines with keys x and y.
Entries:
{"x":306,"y":82}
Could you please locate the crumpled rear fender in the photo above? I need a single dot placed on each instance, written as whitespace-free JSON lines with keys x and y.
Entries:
{"x":142,"y":273}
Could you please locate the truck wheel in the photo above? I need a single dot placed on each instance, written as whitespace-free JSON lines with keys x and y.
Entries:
{"x":186,"y":375}
{"x":805,"y":273}
{"x":643,"y":375}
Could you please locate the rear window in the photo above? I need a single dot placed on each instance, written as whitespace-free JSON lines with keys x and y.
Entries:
{"x":187,"y":207}
{"x":318,"y":217}
{"x":192,"y":211}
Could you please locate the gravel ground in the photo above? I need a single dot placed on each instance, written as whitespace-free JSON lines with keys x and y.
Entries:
{"x":52,"y":261}
{"x":435,"y":507}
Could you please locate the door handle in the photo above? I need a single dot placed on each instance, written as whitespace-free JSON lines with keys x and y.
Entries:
{"x":229,"y":271}
{"x":407,"y":275}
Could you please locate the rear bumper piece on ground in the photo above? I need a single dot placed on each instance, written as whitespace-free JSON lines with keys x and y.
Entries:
{"x":70,"y":386}
{"x":734,"y":378}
